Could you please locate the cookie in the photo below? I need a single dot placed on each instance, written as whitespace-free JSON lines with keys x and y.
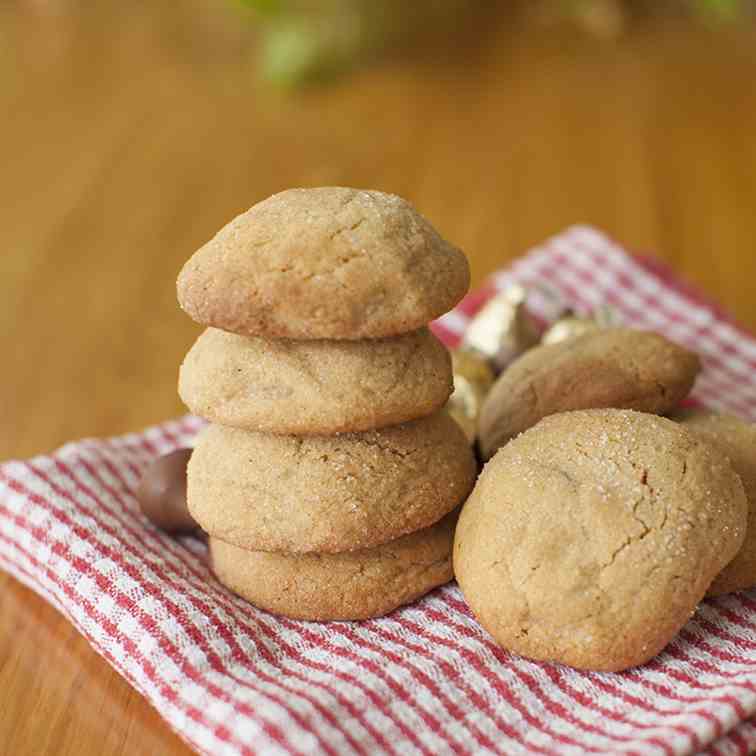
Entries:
{"x":614,"y":367}
{"x":737,"y":439}
{"x":352,"y":585}
{"x":315,"y":387}
{"x":326,"y":263}
{"x":590,"y":539}
{"x":328,"y":493}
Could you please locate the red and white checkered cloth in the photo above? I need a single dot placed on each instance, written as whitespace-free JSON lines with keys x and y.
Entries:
{"x":231,"y":679}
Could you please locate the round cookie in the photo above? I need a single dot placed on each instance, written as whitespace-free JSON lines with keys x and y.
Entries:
{"x":325,"y":263}
{"x":328,"y":493}
{"x":315,"y":387}
{"x":352,"y":585}
{"x":590,"y":539}
{"x":737,"y":439}
{"x":613,"y":367}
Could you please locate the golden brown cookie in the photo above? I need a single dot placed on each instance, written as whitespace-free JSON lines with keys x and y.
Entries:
{"x":615,"y":367}
{"x":315,"y":387}
{"x":327,"y":493}
{"x":590,"y":539}
{"x":326,"y":263}
{"x":348,"y":586}
{"x":737,"y":439}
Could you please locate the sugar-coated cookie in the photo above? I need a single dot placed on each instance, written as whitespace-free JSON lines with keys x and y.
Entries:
{"x":325,"y":263}
{"x":315,"y":386}
{"x":614,"y":367}
{"x":351,"y":585}
{"x":328,"y":494}
{"x":737,"y":439}
{"x":590,"y":539}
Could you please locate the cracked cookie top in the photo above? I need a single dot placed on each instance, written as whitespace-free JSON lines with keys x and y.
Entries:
{"x":315,"y":386}
{"x":327,"y":493}
{"x":324,"y":263}
{"x":591,"y":538}
{"x":613,"y":367}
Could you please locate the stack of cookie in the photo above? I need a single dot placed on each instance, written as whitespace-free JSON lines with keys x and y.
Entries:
{"x":329,"y":478}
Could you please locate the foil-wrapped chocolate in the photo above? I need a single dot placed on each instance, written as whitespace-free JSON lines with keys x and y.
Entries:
{"x":473,"y":378}
{"x":503,"y":329}
{"x":570,"y":325}
{"x":500,"y":332}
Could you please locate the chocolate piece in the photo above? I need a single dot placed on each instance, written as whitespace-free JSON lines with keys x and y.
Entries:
{"x":162,"y":493}
{"x":473,"y":377}
{"x":571,"y":325}
{"x":502,"y":329}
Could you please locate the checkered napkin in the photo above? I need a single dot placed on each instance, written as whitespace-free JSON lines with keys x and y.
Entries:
{"x":231,"y":679}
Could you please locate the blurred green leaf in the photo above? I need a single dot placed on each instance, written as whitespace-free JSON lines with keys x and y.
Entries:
{"x":267,"y":7}
{"x":294,"y":52}
{"x":720,"y":10}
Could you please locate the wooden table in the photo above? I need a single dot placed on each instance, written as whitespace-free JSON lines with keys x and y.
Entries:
{"x":132,"y":131}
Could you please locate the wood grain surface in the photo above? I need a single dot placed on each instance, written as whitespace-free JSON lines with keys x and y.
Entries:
{"x":131,"y":132}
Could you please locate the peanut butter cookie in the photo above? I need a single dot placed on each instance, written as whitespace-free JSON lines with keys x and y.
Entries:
{"x":352,"y":585}
{"x":614,"y":367}
{"x":327,"y":493}
{"x":326,"y":263}
{"x":590,"y":539}
{"x":316,"y":386}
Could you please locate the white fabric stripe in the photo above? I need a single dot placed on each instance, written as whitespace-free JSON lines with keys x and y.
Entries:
{"x":585,"y":715}
{"x":601,"y":245}
{"x":576,"y":678}
{"x":698,"y":316}
{"x":478,"y":683}
{"x":104,"y":642}
{"x":455,"y":321}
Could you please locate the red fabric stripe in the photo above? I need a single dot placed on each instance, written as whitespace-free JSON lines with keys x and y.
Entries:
{"x":738,"y":741}
{"x":33,"y":580}
{"x":112,"y":629}
{"x":147,"y":623}
{"x":556,"y":674}
{"x":450,"y":674}
{"x":614,"y":690}
{"x":370,"y":665}
{"x":658,"y":269}
{"x":615,"y":298}
{"x":500,"y":686}
{"x":596,"y":679}
{"x":627,"y":282}
{"x":748,"y":603}
{"x":346,"y":630}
